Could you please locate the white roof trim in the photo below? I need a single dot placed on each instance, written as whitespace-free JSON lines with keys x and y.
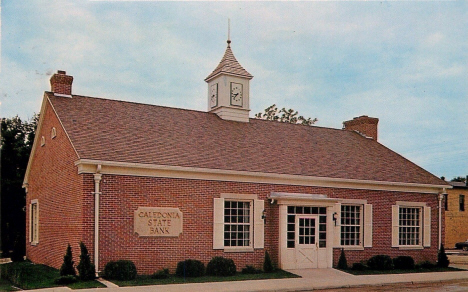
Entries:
{"x":153,"y":170}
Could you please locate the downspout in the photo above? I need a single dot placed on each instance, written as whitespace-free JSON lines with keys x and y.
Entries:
{"x":441,"y":197}
{"x":97,"y":181}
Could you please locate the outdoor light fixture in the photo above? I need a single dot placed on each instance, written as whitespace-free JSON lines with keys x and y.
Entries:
{"x":335,"y":217}
{"x":264,"y":214}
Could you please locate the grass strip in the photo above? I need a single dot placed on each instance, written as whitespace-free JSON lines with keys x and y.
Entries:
{"x":397,"y":271}
{"x":27,"y":275}
{"x":143,"y":280}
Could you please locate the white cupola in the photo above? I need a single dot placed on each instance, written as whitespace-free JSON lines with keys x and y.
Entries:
{"x":228,"y":89}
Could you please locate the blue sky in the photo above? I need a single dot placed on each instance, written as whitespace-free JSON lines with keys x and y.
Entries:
{"x":405,"y":63}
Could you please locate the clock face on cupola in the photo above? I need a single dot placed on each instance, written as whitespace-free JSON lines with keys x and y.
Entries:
{"x":228,"y":89}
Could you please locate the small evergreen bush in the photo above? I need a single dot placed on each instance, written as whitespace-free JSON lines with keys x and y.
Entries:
{"x":442,"y":259}
{"x":219,"y":266}
{"x":190,"y":268}
{"x":403,"y":263}
{"x":358,"y":267}
{"x":66,"y":280}
{"x":120,"y":270}
{"x":380,"y":262}
{"x":67,"y":267}
{"x":342,"y":263}
{"x":161,"y":274}
{"x":267,"y":264}
{"x":86,"y":269}
{"x":251,"y":270}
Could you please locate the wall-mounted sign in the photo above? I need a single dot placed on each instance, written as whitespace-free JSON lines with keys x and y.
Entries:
{"x":153,"y":221}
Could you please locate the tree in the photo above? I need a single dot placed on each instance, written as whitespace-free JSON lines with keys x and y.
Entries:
{"x":17,"y":138}
{"x":342,"y":263}
{"x":67,"y":267}
{"x":86,"y":269}
{"x":284,"y":115}
{"x":442,"y":259}
{"x":459,"y":179}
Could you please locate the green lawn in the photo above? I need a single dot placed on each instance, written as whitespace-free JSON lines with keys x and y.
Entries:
{"x":27,"y":275}
{"x":147,"y":280}
{"x":382,"y":272}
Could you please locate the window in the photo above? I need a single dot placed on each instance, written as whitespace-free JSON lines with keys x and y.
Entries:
{"x":238,"y":224}
{"x":461,"y":201}
{"x":53,"y":133}
{"x":446,"y":202}
{"x":351,"y":225}
{"x":411,"y":225}
{"x":34,"y":222}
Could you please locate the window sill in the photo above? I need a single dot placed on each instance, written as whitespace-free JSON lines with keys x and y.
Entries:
{"x":34,"y":243}
{"x":243,"y":249}
{"x":351,"y":247}
{"x":410,"y":247}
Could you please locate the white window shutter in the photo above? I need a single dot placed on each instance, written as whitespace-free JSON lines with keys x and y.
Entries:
{"x":218,"y":223}
{"x":368,"y":225}
{"x":259,"y":224}
{"x":337,"y":225}
{"x":395,"y":225}
{"x":30,"y":223}
{"x":427,"y":227}
{"x":37,"y":222}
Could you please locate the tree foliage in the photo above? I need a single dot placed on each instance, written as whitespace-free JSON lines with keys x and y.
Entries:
{"x":67,"y":268}
{"x":459,"y":179}
{"x":16,"y":143}
{"x":86,"y":269}
{"x":284,"y":115}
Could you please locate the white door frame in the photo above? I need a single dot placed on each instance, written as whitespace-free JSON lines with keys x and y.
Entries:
{"x":286,"y":256}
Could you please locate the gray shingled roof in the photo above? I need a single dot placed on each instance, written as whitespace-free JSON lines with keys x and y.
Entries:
{"x":111,"y":130}
{"x":230,"y":66}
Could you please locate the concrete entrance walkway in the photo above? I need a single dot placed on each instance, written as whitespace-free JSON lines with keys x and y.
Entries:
{"x":312,"y":279}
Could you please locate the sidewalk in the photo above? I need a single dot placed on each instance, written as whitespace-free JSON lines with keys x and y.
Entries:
{"x":311,"y":279}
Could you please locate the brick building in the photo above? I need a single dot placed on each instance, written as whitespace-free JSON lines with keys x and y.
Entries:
{"x":157,"y":185}
{"x":456,"y":214}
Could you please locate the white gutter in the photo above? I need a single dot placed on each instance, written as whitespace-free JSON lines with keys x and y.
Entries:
{"x":441,"y":197}
{"x":153,"y":170}
{"x":97,"y":181}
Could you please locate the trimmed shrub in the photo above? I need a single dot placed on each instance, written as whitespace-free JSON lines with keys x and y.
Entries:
{"x":358,"y":267}
{"x":442,"y":259}
{"x":403,"y":263}
{"x":267,"y":264}
{"x":342,"y":263}
{"x":251,"y":270}
{"x":219,"y":266}
{"x":427,"y":265}
{"x":67,"y":267}
{"x":120,"y":270}
{"x":65,"y":280}
{"x":380,"y":262}
{"x":190,"y":268}
{"x":161,"y":274}
{"x":86,"y":269}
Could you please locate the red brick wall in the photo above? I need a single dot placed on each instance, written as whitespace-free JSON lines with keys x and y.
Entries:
{"x":55,"y":183}
{"x":124,"y":194}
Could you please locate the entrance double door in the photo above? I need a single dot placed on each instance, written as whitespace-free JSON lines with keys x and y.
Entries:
{"x":306,"y":241}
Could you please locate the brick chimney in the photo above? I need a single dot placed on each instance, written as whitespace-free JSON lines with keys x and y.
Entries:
{"x":365,"y":125}
{"x":61,"y":83}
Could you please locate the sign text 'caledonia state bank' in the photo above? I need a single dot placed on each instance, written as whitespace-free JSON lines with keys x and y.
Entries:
{"x":155,"y":221}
